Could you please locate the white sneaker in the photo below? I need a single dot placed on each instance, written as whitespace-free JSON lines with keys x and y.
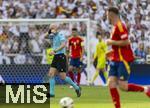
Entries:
{"x":90,"y":83}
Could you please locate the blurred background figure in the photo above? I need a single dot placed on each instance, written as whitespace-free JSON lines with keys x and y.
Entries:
{"x":140,"y":54}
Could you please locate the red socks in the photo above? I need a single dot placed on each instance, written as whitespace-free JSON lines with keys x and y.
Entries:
{"x":71,"y":75}
{"x":115,"y":94}
{"x":135,"y":88}
{"x":115,"y":97}
{"x":78,"y":78}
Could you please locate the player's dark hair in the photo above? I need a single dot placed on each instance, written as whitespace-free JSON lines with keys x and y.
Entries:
{"x":97,"y":34}
{"x":74,"y":29}
{"x":114,"y":10}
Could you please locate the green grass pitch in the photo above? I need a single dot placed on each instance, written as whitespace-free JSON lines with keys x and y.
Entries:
{"x":98,"y":97}
{"x":24,"y":106}
{"x":92,"y":97}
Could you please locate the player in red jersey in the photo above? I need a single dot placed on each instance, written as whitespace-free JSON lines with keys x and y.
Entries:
{"x":122,"y":56}
{"x":76,"y":52}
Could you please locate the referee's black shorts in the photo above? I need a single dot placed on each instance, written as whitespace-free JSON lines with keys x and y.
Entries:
{"x":59,"y":62}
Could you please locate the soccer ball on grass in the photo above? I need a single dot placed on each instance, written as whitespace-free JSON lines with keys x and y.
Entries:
{"x":66,"y":102}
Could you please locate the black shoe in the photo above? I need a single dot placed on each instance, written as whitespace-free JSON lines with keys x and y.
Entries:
{"x":78,"y":92}
{"x":49,"y":95}
{"x":2,"y":84}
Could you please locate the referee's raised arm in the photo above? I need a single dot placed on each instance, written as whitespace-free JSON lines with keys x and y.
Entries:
{"x":52,"y":29}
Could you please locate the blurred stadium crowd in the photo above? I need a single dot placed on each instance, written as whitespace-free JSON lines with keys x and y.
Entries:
{"x":26,"y":39}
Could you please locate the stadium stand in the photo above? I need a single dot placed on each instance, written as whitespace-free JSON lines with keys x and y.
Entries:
{"x":24,"y":39}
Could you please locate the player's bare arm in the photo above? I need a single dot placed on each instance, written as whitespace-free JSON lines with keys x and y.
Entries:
{"x":120,"y":43}
{"x":109,"y":53}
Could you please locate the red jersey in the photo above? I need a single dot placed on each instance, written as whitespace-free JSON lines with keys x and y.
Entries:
{"x":75,"y":46}
{"x":120,"y":32}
